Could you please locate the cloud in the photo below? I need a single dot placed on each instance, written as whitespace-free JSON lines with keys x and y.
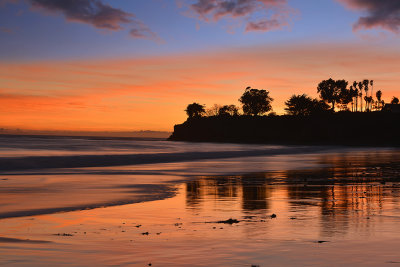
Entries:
{"x":92,"y":12}
{"x":142,"y":31}
{"x":383,"y":14}
{"x":95,"y":13}
{"x":274,"y":13}
{"x":264,"y":25}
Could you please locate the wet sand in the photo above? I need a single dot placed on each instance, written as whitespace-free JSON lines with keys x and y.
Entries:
{"x":315,"y":209}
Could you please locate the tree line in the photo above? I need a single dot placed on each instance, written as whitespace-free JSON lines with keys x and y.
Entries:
{"x":358,"y":97}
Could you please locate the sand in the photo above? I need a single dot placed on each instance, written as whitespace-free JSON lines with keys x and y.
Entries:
{"x":315,"y":209}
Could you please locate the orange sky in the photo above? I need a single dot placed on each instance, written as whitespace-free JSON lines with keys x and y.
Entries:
{"x":152,"y":92}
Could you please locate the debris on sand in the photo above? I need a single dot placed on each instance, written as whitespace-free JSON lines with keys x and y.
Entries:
{"x":229,"y":221}
{"x":145,"y":233}
{"x":321,"y":241}
{"x":137,"y":226}
{"x":273,"y":216}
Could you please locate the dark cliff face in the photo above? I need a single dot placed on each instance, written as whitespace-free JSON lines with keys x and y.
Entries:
{"x":371,"y":129}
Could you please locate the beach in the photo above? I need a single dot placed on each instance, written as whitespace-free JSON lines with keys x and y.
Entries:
{"x":82,"y":201}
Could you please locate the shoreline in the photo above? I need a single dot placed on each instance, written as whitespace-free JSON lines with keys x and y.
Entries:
{"x":162,"y":184}
{"x":84,"y":161}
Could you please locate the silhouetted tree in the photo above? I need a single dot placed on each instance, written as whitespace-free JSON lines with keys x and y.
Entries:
{"x":355,"y":94}
{"x":255,"y":102}
{"x":330,"y":90}
{"x":395,"y":100}
{"x":228,"y":110}
{"x":299,"y":105}
{"x":379,"y":98}
{"x":371,"y":82}
{"x":360,"y":87}
{"x":352,"y":97}
{"x":366,"y":88}
{"x":345,"y":97}
{"x":303,"y":105}
{"x":320,"y":107}
{"x":213,"y":111}
{"x":368,"y":103}
{"x":195,"y":110}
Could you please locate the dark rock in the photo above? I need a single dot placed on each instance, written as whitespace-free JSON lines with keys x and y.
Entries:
{"x":229,"y":221}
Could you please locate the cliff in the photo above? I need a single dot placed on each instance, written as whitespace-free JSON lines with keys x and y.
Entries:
{"x":343,"y":128}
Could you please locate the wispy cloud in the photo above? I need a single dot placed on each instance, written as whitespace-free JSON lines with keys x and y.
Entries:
{"x":95,"y":13}
{"x":383,"y":14}
{"x":265,"y":25}
{"x":92,"y":12}
{"x":270,"y":14}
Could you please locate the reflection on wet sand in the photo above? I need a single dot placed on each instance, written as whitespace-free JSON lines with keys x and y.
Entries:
{"x":343,"y":210}
{"x":250,"y":190}
{"x":349,"y":190}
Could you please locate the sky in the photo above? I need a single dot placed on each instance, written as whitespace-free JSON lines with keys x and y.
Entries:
{"x":121,"y":65}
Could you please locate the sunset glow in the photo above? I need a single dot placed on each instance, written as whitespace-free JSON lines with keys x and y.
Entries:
{"x":143,"y":83}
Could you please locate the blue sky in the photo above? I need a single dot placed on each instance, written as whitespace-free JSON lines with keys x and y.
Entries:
{"x":39,"y":35}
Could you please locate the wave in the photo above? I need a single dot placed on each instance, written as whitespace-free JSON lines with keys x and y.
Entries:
{"x":79,"y":161}
{"x":137,"y":193}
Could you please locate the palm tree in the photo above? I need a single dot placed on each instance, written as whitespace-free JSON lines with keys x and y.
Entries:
{"x":371,"y":82}
{"x":352,"y":98}
{"x":379,"y":97}
{"x":360,"y":86}
{"x":366,"y":84}
{"x":355,"y":94}
{"x":368,"y":102}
